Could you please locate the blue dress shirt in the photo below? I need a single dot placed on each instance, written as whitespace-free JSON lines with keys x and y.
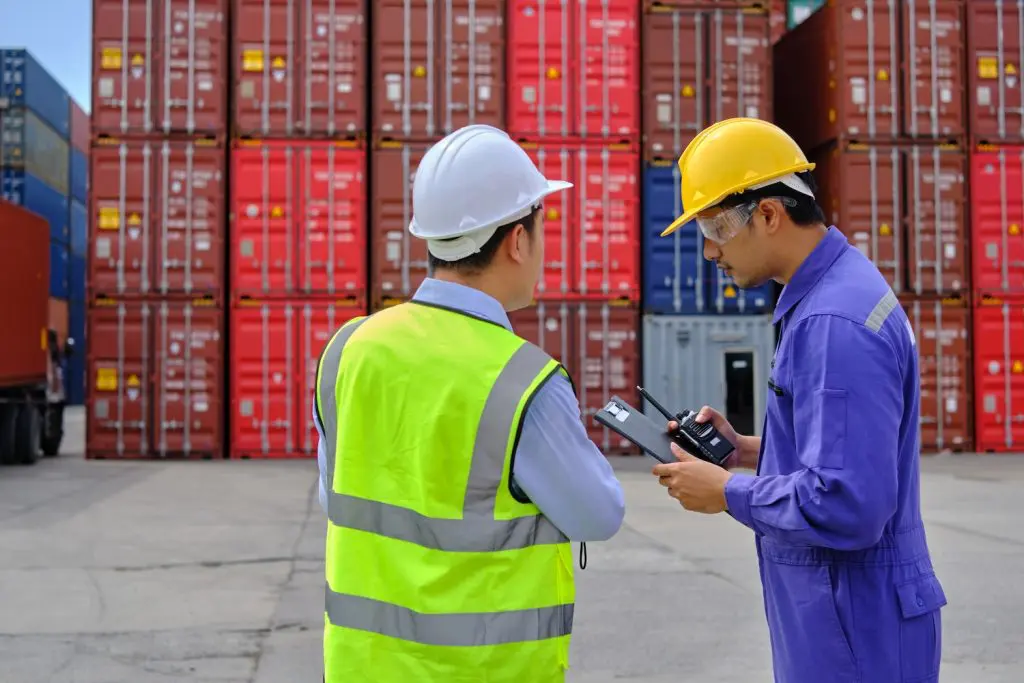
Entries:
{"x":556,"y":465}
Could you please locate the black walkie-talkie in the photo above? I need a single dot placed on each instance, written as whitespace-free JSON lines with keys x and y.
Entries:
{"x":699,"y":439}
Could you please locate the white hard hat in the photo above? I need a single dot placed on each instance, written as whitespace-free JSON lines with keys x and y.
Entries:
{"x":468,"y":185}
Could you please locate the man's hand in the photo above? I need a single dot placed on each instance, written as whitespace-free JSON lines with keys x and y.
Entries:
{"x":697,"y":485}
{"x":747,"y":447}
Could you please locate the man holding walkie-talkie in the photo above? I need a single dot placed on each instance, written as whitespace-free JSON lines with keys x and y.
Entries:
{"x":849,"y":589}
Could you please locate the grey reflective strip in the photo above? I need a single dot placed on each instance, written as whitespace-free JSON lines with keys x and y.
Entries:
{"x":330,"y":362}
{"x":474,"y":534}
{"x":454,"y":630}
{"x":881,"y":311}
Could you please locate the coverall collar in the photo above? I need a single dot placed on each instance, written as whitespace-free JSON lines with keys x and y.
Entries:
{"x":810,"y":271}
{"x":463,"y":298}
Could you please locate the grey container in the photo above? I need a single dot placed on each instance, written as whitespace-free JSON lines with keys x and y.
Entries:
{"x":28,"y":143}
{"x":718,"y":360}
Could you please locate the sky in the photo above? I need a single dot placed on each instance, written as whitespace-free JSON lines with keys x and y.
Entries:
{"x":59,"y":35}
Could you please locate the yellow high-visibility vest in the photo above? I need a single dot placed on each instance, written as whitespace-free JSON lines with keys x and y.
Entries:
{"x":435,"y":571}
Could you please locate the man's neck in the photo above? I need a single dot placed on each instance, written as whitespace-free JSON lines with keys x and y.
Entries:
{"x":484,"y":282}
{"x":805,"y":241}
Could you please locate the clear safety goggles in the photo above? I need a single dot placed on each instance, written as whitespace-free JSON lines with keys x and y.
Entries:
{"x":725,"y":225}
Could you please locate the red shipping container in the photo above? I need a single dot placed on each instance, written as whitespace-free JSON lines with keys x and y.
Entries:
{"x":597,"y":344}
{"x":999,"y":375}
{"x":275,"y":347}
{"x":702,"y":66}
{"x":997,"y":221}
{"x":24,"y":276}
{"x":942,"y":329}
{"x":298,"y":219}
{"x":574,"y":69}
{"x":159,"y":66}
{"x":437,"y":66}
{"x":398,"y":260}
{"x":933,"y":59}
{"x":299,"y":68}
{"x":994,"y":71}
{"x":861,"y":189}
{"x":154,"y":380}
{"x":81,"y":132}
{"x":558,"y":277}
{"x":157,"y":218}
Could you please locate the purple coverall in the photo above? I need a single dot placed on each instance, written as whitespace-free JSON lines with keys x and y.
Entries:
{"x":849,"y":589}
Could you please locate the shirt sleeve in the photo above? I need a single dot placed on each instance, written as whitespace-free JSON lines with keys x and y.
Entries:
{"x":562,"y":471}
{"x":321,"y":459}
{"x":847,"y":394}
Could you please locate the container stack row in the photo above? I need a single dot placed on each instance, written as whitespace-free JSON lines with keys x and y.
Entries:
{"x":914,"y":134}
{"x":44,"y":151}
{"x":705,"y":340}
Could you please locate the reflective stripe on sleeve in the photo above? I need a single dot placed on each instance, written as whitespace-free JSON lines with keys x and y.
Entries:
{"x":881,"y":311}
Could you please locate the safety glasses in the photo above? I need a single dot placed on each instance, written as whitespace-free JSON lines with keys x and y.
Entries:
{"x":726,"y":224}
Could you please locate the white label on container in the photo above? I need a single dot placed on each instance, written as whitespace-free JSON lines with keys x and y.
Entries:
{"x":245,"y":407}
{"x":103,"y":247}
{"x":752,"y":112}
{"x":950,"y":250}
{"x":858,"y":91}
{"x":664,"y":113}
{"x":101,"y":408}
{"x":945,"y":95}
{"x":951,"y":404}
{"x":993,"y":367}
{"x":984,"y":96}
{"x":857,"y":14}
{"x":393,"y":87}
{"x":992,"y":250}
{"x":529,"y":94}
{"x":205,"y":84}
{"x":393,"y":251}
{"x":106,"y":87}
{"x":200,"y":406}
{"x":551,"y":324}
{"x":344,"y":87}
{"x":484,"y":93}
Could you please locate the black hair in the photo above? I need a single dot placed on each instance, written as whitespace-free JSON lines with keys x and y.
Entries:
{"x":805,"y":213}
{"x":475,"y":263}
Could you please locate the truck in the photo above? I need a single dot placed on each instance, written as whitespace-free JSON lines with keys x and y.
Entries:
{"x":31,"y":379}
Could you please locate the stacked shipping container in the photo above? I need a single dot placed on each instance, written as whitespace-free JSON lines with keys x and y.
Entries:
{"x":888,"y":130}
{"x":996,"y":169}
{"x":42,"y":168}
{"x":705,"y":340}
{"x":155,"y":322}
{"x":78,"y":222}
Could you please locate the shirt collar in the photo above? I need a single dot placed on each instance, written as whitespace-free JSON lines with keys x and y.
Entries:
{"x":462,"y":298}
{"x":810,"y":271}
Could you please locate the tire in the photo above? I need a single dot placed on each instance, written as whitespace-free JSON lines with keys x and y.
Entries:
{"x":8,"y":416}
{"x":27,"y":429}
{"x":52,"y":432}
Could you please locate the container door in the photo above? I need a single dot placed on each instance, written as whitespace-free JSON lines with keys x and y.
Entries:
{"x":556,"y":162}
{"x":739,"y":390}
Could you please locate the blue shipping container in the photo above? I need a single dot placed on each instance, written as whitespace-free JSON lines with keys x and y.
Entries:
{"x":79,"y":169}
{"x":27,"y":142}
{"x":27,"y":190}
{"x":25,"y":83}
{"x":59,"y":270}
{"x":79,"y":227}
{"x":677,"y":277}
{"x":76,"y":277}
{"x":74,"y":367}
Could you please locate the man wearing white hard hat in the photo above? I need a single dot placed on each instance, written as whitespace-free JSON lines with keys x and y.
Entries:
{"x":455,"y":467}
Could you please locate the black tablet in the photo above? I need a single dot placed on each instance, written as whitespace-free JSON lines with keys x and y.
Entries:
{"x":632,"y":424}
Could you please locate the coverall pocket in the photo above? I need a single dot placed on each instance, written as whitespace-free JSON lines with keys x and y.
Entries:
{"x":828,"y":425}
{"x":920,"y":601}
{"x":807,"y":635}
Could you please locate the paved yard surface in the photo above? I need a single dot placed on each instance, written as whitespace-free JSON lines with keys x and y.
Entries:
{"x":211,"y":572}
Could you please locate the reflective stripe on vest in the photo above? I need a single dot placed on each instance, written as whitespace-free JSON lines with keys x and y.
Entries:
{"x":475,"y":532}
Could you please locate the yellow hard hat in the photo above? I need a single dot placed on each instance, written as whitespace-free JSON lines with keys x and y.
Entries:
{"x":732,"y":156}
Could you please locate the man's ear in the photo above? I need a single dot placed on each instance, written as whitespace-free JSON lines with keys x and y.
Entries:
{"x":773,"y":213}
{"x":517,"y":243}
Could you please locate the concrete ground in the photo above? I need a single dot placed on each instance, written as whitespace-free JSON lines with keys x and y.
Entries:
{"x":146,"y":572}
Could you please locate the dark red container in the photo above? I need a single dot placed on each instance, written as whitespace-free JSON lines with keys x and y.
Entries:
{"x":160,"y":66}
{"x":24,"y":295}
{"x":933,"y":60}
{"x":942,"y":330}
{"x":993,"y":65}
{"x":918,"y":249}
{"x":154,"y":380}
{"x":158,"y":218}
{"x":437,"y":66}
{"x":275,"y":347}
{"x":398,"y":260}
{"x":574,"y":69}
{"x":997,"y":221}
{"x":597,"y":344}
{"x":299,"y":68}
{"x":81,"y":132}
{"x":701,"y":66}
{"x":999,"y":375}
{"x":298,"y":219}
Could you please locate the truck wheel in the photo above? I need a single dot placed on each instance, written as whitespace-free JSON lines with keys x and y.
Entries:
{"x":8,"y":416}
{"x":27,"y":430}
{"x":53,"y":430}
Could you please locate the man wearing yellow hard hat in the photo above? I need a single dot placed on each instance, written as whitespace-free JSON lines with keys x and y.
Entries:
{"x":849,"y":589}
